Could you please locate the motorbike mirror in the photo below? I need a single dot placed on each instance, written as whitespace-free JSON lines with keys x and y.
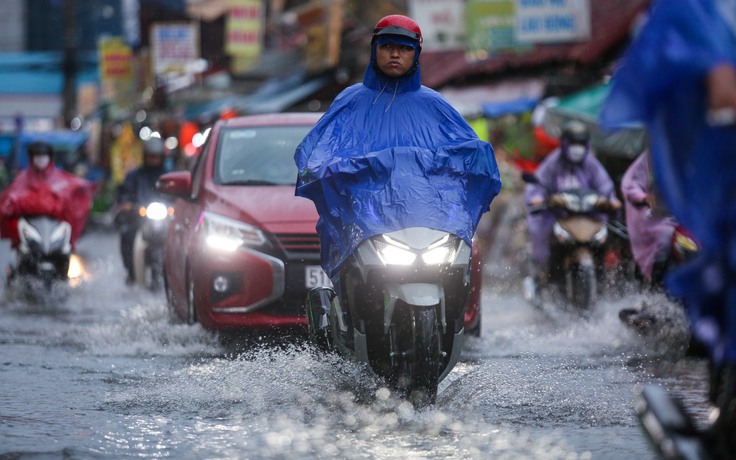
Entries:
{"x":529,"y":178}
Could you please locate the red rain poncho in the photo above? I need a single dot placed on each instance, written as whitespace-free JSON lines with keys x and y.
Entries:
{"x":50,"y":192}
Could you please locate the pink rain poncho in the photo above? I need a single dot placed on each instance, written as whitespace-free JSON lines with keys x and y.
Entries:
{"x":650,"y":233}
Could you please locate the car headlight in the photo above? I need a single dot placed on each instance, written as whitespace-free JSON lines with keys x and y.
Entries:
{"x":228,"y":234}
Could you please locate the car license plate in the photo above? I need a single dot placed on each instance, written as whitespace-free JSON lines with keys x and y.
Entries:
{"x":314,"y":276}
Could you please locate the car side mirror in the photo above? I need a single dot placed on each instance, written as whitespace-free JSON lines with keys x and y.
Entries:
{"x":177,"y":183}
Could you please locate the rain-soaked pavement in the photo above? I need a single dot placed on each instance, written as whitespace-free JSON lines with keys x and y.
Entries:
{"x":109,"y":374}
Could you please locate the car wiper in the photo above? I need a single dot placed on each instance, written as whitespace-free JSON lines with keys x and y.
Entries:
{"x":250,"y":182}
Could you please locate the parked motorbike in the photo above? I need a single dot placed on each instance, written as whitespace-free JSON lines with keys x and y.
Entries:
{"x":148,"y":246}
{"x":578,"y":245}
{"x":43,"y":256}
{"x":400,"y":308}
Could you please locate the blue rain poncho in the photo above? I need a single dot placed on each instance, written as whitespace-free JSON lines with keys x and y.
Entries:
{"x":392,"y":154}
{"x":661,"y":82}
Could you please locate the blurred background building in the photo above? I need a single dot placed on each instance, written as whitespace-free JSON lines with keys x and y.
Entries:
{"x":117,"y":70}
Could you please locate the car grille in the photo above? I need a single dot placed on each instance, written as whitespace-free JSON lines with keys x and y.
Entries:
{"x":296,"y":245}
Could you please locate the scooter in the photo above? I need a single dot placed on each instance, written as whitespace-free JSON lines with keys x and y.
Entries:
{"x":399,"y":308}
{"x":148,"y":246}
{"x":43,"y":256}
{"x":578,"y":245}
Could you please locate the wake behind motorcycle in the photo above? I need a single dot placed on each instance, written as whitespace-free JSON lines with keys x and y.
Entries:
{"x":400,"y":308}
{"x":578,"y":246}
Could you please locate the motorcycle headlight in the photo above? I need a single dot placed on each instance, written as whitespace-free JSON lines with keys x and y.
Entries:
{"x":156,"y":211}
{"x":62,"y":233}
{"x":27,"y":232}
{"x":561,"y":234}
{"x":228,"y":235}
{"x":601,"y":235}
{"x":391,"y":252}
{"x":440,"y":252}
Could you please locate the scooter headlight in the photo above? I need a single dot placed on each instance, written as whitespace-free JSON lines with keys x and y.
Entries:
{"x":28,"y":233}
{"x":601,"y":235}
{"x":391,"y":252}
{"x":228,"y":235}
{"x":562,"y":235}
{"x":440,"y":252}
{"x":156,"y":211}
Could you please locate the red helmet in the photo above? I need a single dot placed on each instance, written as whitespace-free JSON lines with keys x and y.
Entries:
{"x":396,"y":24}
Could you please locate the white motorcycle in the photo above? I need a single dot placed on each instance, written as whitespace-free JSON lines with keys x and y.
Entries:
{"x":400,"y":309}
{"x":43,"y":257}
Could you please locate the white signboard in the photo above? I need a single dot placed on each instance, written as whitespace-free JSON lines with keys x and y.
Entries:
{"x":175,"y":47}
{"x":442,"y":23}
{"x":552,"y":21}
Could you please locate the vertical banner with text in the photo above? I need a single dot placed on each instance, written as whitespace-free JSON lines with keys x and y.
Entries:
{"x":117,"y":72}
{"x":243,"y":33}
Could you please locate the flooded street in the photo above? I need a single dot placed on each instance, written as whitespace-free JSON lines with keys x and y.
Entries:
{"x":109,"y":374}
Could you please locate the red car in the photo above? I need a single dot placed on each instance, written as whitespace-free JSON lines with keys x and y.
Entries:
{"x":242,"y":250}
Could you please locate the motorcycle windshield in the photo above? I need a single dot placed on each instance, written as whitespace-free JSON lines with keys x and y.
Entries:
{"x":362,"y":186}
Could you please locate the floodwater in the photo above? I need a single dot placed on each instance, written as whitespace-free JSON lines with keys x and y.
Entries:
{"x":108,"y":373}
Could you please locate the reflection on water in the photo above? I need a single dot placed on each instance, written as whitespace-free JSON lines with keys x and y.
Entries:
{"x":110,"y":374}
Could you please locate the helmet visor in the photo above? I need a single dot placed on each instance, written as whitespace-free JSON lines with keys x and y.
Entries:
{"x":396,"y":30}
{"x":399,"y":39}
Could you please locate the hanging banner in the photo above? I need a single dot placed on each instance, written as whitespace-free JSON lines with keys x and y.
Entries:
{"x":116,"y":71}
{"x":552,"y":21}
{"x":491,"y":26}
{"x":442,"y":22}
{"x":244,"y":28}
{"x":174,"y":48}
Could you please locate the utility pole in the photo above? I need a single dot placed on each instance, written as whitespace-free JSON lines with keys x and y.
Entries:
{"x":69,"y":107}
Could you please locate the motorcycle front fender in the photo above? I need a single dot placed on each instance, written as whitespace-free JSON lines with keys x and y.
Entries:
{"x":414,"y":294}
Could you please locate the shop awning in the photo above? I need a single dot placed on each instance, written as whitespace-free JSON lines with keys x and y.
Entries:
{"x":585,"y":106}
{"x":275,"y":95}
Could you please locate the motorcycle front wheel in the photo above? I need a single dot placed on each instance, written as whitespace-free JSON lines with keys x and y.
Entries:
{"x":417,"y":340}
{"x":581,"y":286}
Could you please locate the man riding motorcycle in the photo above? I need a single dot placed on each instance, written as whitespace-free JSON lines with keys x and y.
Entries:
{"x":392,"y":111}
{"x":44,"y":190}
{"x":138,"y":188}
{"x":567,"y":167}
{"x":391,"y":157}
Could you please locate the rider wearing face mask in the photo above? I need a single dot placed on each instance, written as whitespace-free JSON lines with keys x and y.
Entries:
{"x":570,"y":166}
{"x":44,"y":190}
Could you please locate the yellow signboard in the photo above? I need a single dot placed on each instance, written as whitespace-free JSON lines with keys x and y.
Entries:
{"x":243,"y":29}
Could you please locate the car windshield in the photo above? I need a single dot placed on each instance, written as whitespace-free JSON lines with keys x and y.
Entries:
{"x":261,"y":155}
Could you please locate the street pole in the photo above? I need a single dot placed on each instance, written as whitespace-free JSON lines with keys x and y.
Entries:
{"x":69,"y":107}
